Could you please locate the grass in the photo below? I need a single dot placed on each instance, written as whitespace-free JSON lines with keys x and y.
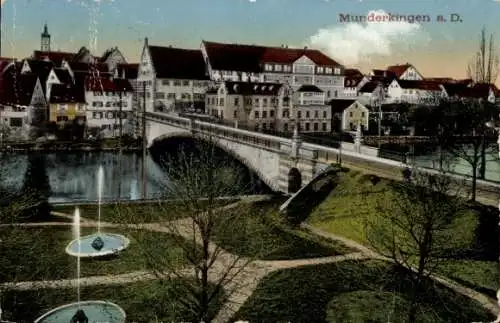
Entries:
{"x":133,"y":212}
{"x":39,"y":253}
{"x":149,"y":301}
{"x":355,"y":292}
{"x":356,"y":201}
{"x":260,"y":232}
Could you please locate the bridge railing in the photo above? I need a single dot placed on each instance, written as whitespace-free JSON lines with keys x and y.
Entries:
{"x":208,"y":128}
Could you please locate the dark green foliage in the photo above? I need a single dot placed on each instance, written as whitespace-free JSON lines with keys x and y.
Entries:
{"x":36,"y":186}
{"x":302,"y":295}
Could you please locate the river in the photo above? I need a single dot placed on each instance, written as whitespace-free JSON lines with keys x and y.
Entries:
{"x":73,"y":175}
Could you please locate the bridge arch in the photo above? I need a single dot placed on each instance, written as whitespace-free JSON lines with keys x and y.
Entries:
{"x":266,"y":178}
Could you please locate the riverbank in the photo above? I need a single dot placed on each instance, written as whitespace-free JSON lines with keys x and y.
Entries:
{"x":54,"y":146}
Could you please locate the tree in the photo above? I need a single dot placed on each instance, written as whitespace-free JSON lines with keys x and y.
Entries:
{"x":483,"y":68}
{"x":197,"y":177}
{"x":36,"y":185}
{"x":414,"y":227}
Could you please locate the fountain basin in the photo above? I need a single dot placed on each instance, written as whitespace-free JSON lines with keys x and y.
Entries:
{"x":97,"y":245}
{"x":96,"y":311}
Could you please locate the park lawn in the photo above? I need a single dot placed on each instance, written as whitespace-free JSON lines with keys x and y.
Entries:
{"x":148,"y":301}
{"x":259,"y":231}
{"x":134,"y":212}
{"x":39,"y":253}
{"x":352,"y":291}
{"x":356,"y":202}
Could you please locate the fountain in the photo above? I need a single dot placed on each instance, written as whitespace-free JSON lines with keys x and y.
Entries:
{"x":86,"y":311}
{"x":99,"y":244}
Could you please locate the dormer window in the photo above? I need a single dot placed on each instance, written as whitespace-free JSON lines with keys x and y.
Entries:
{"x":255,"y":87}
{"x":263,"y":87}
{"x":235,"y":88}
{"x":271,"y":87}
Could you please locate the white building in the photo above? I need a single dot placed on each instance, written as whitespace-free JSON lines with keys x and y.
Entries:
{"x":348,"y":114}
{"x":293,"y":66}
{"x":405,"y":72}
{"x":105,"y":98}
{"x":269,"y":106}
{"x":353,"y":82}
{"x":312,"y":114}
{"x":415,"y":92}
{"x":173,"y":78}
{"x":22,"y":104}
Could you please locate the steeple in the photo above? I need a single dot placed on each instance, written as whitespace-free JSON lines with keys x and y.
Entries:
{"x":45,"y":39}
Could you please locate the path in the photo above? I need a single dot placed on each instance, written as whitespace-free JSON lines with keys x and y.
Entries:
{"x":249,"y":273}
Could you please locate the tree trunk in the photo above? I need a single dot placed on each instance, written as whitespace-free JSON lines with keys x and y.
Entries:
{"x":474,"y":180}
{"x":204,"y":306}
{"x":482,"y":168}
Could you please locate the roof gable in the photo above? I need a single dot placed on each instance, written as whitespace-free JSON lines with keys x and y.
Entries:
{"x":399,"y":70}
{"x":304,"y":60}
{"x":420,"y":85}
{"x":341,"y":105}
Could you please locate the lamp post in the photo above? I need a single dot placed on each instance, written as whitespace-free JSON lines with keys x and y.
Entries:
{"x":491,"y":124}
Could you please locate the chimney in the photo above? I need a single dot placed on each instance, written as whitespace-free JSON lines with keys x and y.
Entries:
{"x":146,"y":41}
{"x":305,"y":47}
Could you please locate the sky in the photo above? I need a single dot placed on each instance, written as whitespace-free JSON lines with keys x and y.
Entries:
{"x":435,"y":48}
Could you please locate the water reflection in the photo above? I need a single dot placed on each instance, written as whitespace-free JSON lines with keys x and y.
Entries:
{"x":73,"y":175}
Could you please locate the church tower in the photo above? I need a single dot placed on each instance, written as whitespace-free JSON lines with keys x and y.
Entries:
{"x":45,"y":40}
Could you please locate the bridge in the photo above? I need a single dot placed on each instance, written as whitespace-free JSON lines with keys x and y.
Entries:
{"x":278,"y":160}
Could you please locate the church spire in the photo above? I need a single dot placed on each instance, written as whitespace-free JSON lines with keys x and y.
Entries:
{"x":45,"y":39}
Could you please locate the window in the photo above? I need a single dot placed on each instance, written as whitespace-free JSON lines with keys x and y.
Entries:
{"x":148,"y":95}
{"x":235,"y":114}
{"x":256,"y":102}
{"x":271,"y":114}
{"x":236,"y":102}
{"x":286,"y":102}
{"x":307,"y":115}
{"x":271,"y":126}
{"x":323,"y":126}
{"x":185,"y":83}
{"x":316,"y":114}
{"x":97,"y":93}
{"x":277,"y":68}
{"x":350,"y":114}
{"x":16,"y":122}
{"x":362,"y":114}
{"x":171,"y":96}
{"x":320,"y":70}
{"x":165,"y":82}
{"x":177,"y":83}
{"x":299,"y":114}
{"x":328,"y":94}
{"x":285,"y":127}
{"x":264,"y":102}
{"x":264,"y":126}
{"x":337,"y":70}
{"x":160,"y":95}
{"x":268,"y":67}
{"x":108,"y":104}
{"x":324,"y":115}
{"x":286,"y":113}
{"x":307,"y":126}
{"x":256,"y":114}
{"x":315,"y":126}
{"x":264,"y":114}
{"x":59,"y":118}
{"x":328,"y":70}
{"x":221,"y":101}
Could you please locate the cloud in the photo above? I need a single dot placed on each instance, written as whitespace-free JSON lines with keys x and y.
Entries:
{"x":353,"y":42}
{"x":252,"y":1}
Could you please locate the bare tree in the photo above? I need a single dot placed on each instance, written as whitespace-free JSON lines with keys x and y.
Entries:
{"x":483,"y":68}
{"x":197,"y":177}
{"x":414,"y":227}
